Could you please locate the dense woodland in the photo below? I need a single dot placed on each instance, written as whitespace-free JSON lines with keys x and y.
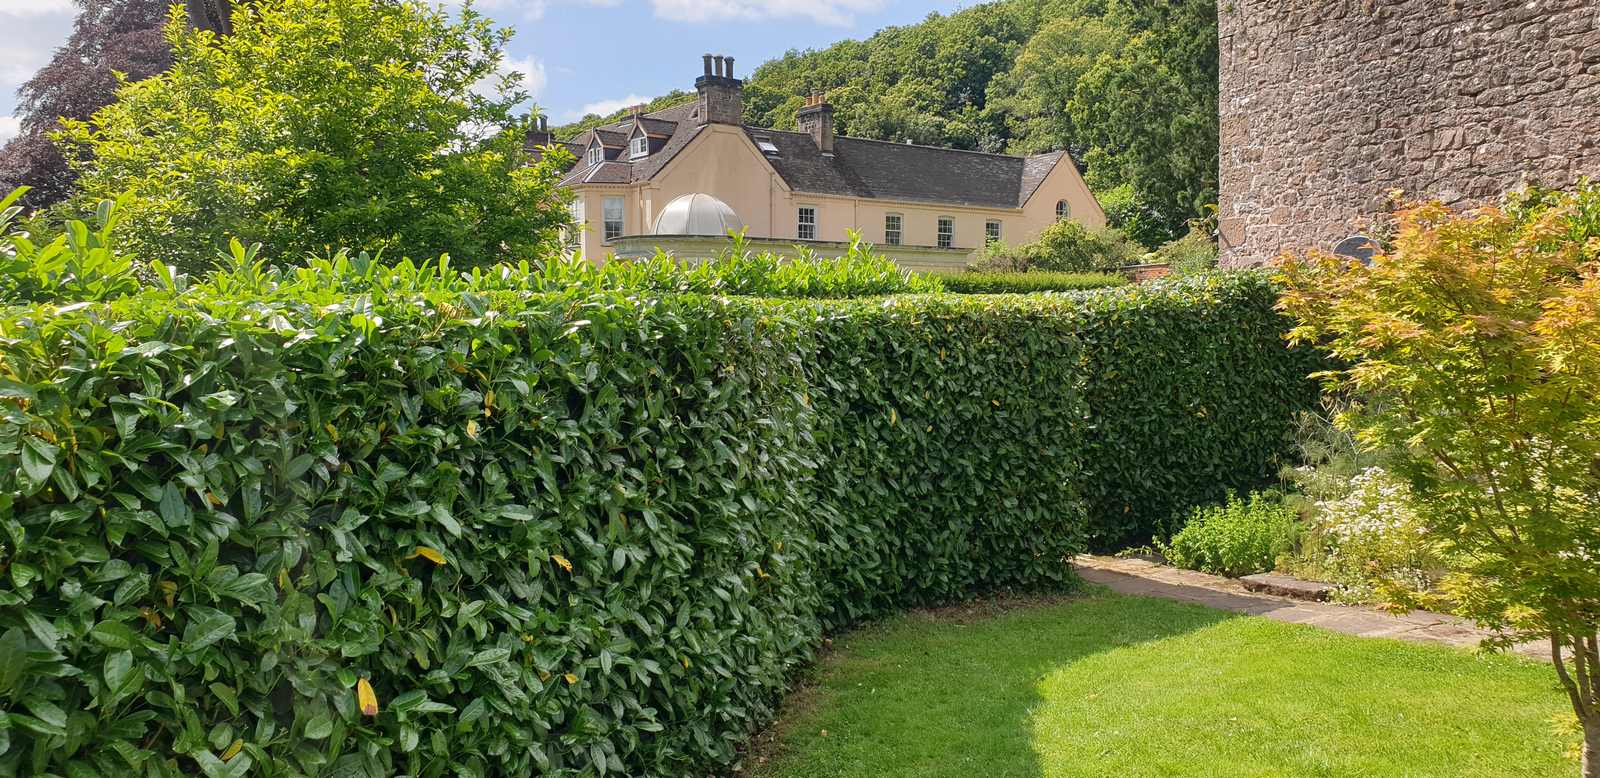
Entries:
{"x":1128,"y":86}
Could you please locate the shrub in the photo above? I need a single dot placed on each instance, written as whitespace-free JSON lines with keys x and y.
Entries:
{"x":1239,"y":537}
{"x":564,"y":533}
{"x":1065,"y":246}
{"x":1192,"y":395}
{"x":1367,"y":539}
{"x":1193,"y":253}
{"x":1026,"y":283}
{"x":738,"y":271}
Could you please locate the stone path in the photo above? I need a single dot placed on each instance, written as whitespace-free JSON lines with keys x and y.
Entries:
{"x":1141,"y":577}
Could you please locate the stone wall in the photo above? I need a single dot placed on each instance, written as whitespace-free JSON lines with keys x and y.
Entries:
{"x":1328,"y":104}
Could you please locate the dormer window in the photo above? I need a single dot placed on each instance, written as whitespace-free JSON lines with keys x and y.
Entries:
{"x":766,"y":145}
{"x":596,"y":154}
{"x":638,"y":147}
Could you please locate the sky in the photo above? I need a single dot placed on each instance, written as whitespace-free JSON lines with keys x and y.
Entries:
{"x":576,"y":56}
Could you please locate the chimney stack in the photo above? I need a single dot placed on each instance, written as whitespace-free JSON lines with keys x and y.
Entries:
{"x":816,"y":119}
{"x":538,"y":137}
{"x":721,"y":95}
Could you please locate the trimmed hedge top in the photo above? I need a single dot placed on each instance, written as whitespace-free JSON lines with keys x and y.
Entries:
{"x":358,"y":519}
{"x":1026,"y":283}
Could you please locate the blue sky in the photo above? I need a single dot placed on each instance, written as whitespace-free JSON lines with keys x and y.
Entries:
{"x":577,"y":55}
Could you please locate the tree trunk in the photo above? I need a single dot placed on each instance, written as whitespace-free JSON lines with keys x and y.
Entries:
{"x":1591,"y":750}
{"x":213,"y":15}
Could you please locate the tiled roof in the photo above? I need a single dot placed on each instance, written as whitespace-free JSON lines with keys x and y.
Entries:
{"x":858,"y":167}
{"x":608,"y":172}
{"x":1034,"y":170}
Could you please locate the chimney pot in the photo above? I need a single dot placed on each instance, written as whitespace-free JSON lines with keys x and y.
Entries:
{"x":719,"y":65}
{"x":730,"y":67}
{"x":707,"y":60}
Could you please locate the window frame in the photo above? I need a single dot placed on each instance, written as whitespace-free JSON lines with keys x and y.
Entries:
{"x":1063,"y":210}
{"x":638,"y":146}
{"x":800,"y":223}
{"x":894,"y":237}
{"x":991,"y":230}
{"x":596,"y":154}
{"x":605,"y":217}
{"x":946,"y":232}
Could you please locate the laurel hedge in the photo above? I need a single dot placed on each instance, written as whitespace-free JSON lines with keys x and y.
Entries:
{"x":1193,"y":395}
{"x":584,"y":533}
{"x":355,"y":519}
{"x":973,"y":282}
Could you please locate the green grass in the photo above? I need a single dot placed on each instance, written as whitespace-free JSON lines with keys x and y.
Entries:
{"x":1107,"y":685}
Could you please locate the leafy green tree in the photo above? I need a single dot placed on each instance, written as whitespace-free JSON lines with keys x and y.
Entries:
{"x":319,"y":125}
{"x":1035,"y":97}
{"x":1473,"y":346}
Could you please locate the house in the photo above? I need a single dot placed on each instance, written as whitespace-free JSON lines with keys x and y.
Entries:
{"x":678,"y":177}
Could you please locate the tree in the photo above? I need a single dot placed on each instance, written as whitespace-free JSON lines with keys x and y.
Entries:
{"x":1149,"y":112}
{"x":1473,"y":348}
{"x":316,"y":126}
{"x":108,"y":37}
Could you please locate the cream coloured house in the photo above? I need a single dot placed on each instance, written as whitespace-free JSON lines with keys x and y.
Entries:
{"x":924,"y":206}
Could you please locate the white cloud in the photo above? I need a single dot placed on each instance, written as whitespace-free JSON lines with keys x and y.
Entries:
{"x":36,"y":7}
{"x":9,"y":127}
{"x":532,"y":70}
{"x":605,"y":107}
{"x":839,"y":13}
{"x":525,"y":10}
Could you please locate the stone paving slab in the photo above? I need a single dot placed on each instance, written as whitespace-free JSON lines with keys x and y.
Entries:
{"x":1149,"y":579}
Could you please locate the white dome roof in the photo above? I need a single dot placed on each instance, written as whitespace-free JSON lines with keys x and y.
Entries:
{"x":697,"y":214}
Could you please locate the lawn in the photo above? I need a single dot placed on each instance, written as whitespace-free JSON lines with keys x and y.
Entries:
{"x":1108,"y":685}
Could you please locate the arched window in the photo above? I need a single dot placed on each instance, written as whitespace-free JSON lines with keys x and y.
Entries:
{"x":1063,"y":211}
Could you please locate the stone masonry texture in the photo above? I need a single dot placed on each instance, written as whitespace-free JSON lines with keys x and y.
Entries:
{"x":1326,"y":105}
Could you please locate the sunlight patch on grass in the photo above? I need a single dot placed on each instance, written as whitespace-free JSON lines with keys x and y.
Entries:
{"x":1112,"y":685}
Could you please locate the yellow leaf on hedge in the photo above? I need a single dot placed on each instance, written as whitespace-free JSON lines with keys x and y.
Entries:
{"x":472,"y":429}
{"x":366,"y":698}
{"x":333,"y":432}
{"x":170,"y":589}
{"x":488,"y":403}
{"x":544,"y":676}
{"x":428,"y":554}
{"x":233,"y":750}
{"x":561,"y":560}
{"x":571,"y":679}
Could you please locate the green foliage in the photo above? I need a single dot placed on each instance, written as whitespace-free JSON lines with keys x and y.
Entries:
{"x":316,"y":126}
{"x":1238,"y":537}
{"x":1025,"y":283}
{"x":80,"y":264}
{"x":569,"y":533}
{"x":738,"y":271}
{"x":1471,"y":348}
{"x":1064,"y":247}
{"x":1193,"y":253}
{"x":1192,"y":396}
{"x":591,"y":530}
